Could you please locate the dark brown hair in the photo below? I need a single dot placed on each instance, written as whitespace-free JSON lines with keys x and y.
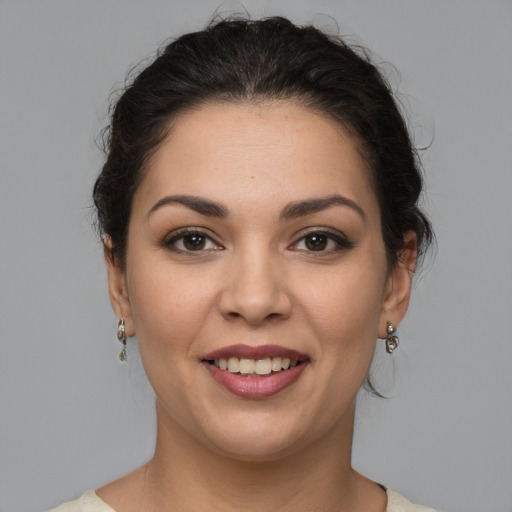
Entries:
{"x":240,"y":60}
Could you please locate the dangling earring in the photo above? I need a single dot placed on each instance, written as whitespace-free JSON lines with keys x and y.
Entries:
{"x":121,"y":336}
{"x":391,"y":338}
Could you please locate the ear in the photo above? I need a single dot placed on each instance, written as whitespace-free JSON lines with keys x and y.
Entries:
{"x":118,"y":291}
{"x":398,"y":288}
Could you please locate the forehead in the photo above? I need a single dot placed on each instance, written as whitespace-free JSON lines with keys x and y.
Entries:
{"x":238,"y":152}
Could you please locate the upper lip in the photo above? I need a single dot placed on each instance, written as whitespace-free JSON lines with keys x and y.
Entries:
{"x":250,"y":352}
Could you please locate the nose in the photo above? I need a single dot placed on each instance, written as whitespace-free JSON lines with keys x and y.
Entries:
{"x":255,"y":289}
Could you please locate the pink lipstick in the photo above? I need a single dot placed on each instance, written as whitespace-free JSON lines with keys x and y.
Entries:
{"x":255,"y":372}
{"x":259,"y":352}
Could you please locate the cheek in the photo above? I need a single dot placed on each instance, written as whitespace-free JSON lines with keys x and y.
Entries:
{"x":344,"y":309}
{"x":169,"y":308}
{"x":340,"y":309}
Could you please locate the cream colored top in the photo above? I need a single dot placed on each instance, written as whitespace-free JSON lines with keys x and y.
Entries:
{"x":89,"y":502}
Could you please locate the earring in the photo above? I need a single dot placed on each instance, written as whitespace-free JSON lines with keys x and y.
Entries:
{"x":121,"y":336}
{"x":391,"y":338}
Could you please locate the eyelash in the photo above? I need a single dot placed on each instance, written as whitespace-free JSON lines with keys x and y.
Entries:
{"x":339,"y":239}
{"x":182,"y":234}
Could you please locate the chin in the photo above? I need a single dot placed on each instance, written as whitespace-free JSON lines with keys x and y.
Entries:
{"x":255,"y":438}
{"x":256,"y":449}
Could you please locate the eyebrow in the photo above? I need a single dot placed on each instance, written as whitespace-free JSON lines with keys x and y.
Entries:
{"x":315,"y":205}
{"x":290,"y":211}
{"x":198,"y":204}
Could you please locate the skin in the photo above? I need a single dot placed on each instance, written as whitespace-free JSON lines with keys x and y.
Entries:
{"x":255,"y":281}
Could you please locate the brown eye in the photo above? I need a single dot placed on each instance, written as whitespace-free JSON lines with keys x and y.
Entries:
{"x":194,"y":242}
{"x":326,"y":242}
{"x":188,"y":241}
{"x":316,"y":242}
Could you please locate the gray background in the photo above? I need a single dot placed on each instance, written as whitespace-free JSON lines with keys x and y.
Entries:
{"x":72,"y":417}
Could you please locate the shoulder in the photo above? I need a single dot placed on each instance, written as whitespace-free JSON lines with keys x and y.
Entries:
{"x":88,"y":502}
{"x":397,"y":503}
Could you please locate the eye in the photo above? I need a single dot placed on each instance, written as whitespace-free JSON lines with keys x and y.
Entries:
{"x":191,"y":241}
{"x":322,"y":241}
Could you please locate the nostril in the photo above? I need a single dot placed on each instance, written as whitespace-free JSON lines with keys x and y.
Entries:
{"x":254,"y":302}
{"x":270,"y":316}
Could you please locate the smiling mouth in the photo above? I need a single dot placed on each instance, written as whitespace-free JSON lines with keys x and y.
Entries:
{"x":256,"y":372}
{"x":255,"y":367}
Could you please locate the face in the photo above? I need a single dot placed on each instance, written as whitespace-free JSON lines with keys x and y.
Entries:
{"x":255,"y":245}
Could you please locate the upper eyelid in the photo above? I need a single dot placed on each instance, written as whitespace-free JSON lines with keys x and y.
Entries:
{"x":180,"y":233}
{"x":320,"y":230}
{"x":192,"y":230}
{"x":335,"y":235}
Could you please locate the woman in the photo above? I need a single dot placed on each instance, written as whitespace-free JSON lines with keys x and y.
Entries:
{"x":258,"y":208}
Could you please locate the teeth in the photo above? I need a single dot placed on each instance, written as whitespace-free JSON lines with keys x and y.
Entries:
{"x":233,"y":364}
{"x":276,"y":364}
{"x":246,"y":366}
{"x":263,"y":366}
{"x":255,"y":366}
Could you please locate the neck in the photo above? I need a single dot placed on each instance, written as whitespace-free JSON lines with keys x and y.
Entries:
{"x":190,"y":476}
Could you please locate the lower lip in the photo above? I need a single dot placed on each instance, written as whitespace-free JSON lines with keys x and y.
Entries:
{"x":256,"y":387}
